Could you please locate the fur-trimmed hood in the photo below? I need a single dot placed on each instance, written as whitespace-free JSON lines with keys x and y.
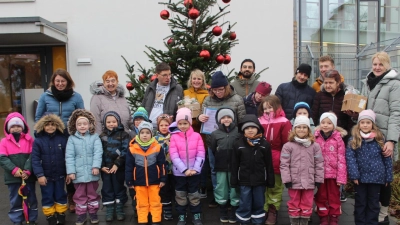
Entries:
{"x":97,"y":88}
{"x":39,"y":126}
{"x":77,"y":113}
{"x":342,"y":131}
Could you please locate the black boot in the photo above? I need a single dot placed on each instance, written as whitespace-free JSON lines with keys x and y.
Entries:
{"x":232,"y":214}
{"x":223,"y":214}
{"x":167,"y":212}
{"x":61,"y":218}
{"x":51,"y":220}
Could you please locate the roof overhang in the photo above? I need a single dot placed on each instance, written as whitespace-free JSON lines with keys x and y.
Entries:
{"x":30,"y":31}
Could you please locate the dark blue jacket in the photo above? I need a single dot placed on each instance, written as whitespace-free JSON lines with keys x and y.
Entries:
{"x":48,"y":155}
{"x":367,"y":164}
{"x":115,"y":146}
{"x":251,"y":108}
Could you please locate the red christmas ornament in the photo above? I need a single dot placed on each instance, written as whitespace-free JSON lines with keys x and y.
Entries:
{"x":226,"y":1}
{"x":164,"y":14}
{"x":227,"y":59}
{"x":170,"y":41}
{"x":193,"y":13}
{"x":220,"y":59}
{"x":232,"y":36}
{"x":188,"y":4}
{"x":142,"y":78}
{"x":129,"y":86}
{"x":217,"y":30}
{"x":205,"y":55}
{"x":153,"y":77}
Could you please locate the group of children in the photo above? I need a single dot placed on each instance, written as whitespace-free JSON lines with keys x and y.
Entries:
{"x":254,"y":160}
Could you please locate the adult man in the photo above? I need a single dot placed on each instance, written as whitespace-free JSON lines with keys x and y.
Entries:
{"x":296,"y":91}
{"x":325,"y":63}
{"x":245,"y":83}
{"x":162,"y":94}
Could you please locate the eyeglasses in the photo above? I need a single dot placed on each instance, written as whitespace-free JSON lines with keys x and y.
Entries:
{"x":219,"y":90}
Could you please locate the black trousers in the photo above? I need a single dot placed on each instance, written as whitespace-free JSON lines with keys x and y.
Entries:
{"x":386,"y":193}
{"x":366,"y":207}
{"x":167,"y":192}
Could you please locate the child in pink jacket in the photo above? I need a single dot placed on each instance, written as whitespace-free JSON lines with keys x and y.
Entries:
{"x":327,"y":199}
{"x":187,"y":154}
{"x":302,"y":170}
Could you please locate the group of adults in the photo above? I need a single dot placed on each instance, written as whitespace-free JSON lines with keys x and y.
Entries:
{"x":243,"y":95}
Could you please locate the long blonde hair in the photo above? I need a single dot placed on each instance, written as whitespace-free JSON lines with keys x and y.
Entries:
{"x":309,"y":136}
{"x":357,"y":139}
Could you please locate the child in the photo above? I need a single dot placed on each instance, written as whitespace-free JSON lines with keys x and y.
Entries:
{"x":187,"y":154}
{"x":367,"y":167}
{"x":115,"y":144}
{"x":327,"y":198}
{"x":167,"y":191}
{"x":222,"y":141}
{"x":252,"y":170}
{"x":48,"y":163}
{"x":15,"y":158}
{"x":146,"y":173}
{"x":83,"y":161}
{"x":303,"y":109}
{"x":277,"y":128}
{"x":139,"y":116}
{"x":301,"y":169}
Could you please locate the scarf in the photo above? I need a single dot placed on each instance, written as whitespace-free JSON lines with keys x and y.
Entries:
{"x":253,"y":140}
{"x":63,"y":95}
{"x":368,"y":137}
{"x":297,"y":84}
{"x":305,"y":142}
{"x":163,"y":139}
{"x":144,"y":145}
{"x":373,"y":80}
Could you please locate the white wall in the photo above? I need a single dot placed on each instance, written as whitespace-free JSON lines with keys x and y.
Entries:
{"x":105,"y":30}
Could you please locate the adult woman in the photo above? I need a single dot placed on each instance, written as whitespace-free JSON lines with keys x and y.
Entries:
{"x":109,"y":96}
{"x":382,"y":87}
{"x":60,"y":99}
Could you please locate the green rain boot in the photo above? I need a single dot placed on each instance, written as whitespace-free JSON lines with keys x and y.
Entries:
{"x":110,"y":212}
{"x":119,"y":209}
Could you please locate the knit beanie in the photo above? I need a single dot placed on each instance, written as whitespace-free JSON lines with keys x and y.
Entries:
{"x":366,"y":114}
{"x":250,"y":124}
{"x":146,"y":125}
{"x":184,"y":114}
{"x":141,"y":112}
{"x":304,"y":68}
{"x":301,"y":105}
{"x":264,"y":88}
{"x":218,"y":80}
{"x":330,"y":116}
{"x":114,"y":114}
{"x":15,"y":121}
{"x":225,"y":112}
{"x":301,"y":120}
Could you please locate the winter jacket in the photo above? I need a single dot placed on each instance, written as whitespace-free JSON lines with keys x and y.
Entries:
{"x":243,"y":87}
{"x":334,"y":150}
{"x":250,"y":106}
{"x":48,"y":152}
{"x":174,"y":95}
{"x":15,"y":156}
{"x":318,"y":83}
{"x":145,"y":167}
{"x":302,"y":166}
{"x":186,"y":150}
{"x":251,"y":165}
{"x":277,"y":130}
{"x":293,"y":92}
{"x":102,"y":102}
{"x":384,"y":100}
{"x":115,"y":146}
{"x":48,"y":103}
{"x":367,"y":164}
{"x":83,"y":153}
{"x":164,"y":143}
{"x":222,"y":145}
{"x":200,"y":95}
{"x":325,"y":102}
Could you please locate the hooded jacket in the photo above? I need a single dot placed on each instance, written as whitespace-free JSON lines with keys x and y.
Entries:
{"x":15,"y":156}
{"x":222,"y":141}
{"x":384,"y":100}
{"x":251,"y":165}
{"x":102,"y":101}
{"x":186,"y":150}
{"x":277,"y":129}
{"x":243,"y":87}
{"x":334,"y":153}
{"x":48,"y":152}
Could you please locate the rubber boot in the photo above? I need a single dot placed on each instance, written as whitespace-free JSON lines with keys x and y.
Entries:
{"x":223,"y":213}
{"x":119,"y":209}
{"x":51,"y":220}
{"x":61,"y":218}
{"x":294,"y":221}
{"x":324,"y":220}
{"x":110,"y":212}
{"x":71,"y":203}
{"x":333,"y":220}
{"x":303,"y":221}
{"x":272,"y":215}
{"x":232,"y":214}
{"x":167,"y":212}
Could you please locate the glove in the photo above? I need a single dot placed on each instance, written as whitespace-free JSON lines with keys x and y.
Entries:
{"x":317,"y":184}
{"x":288,"y":185}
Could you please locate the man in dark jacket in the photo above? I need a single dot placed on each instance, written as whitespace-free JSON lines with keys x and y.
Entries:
{"x":162,"y":94}
{"x":245,"y":82}
{"x":296,"y":91}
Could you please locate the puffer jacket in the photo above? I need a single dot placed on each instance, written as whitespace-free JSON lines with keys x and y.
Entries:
{"x":334,"y":152}
{"x":243,"y":87}
{"x":277,"y":130}
{"x":293,"y":92}
{"x":48,"y":152}
{"x":49,"y":104}
{"x":251,"y":106}
{"x":384,"y":100}
{"x":174,"y":95}
{"x":15,"y":156}
{"x":222,"y":141}
{"x":145,"y":168}
{"x":302,"y":166}
{"x":186,"y":150}
{"x":102,"y":102}
{"x":115,"y":146}
{"x":367,"y":164}
{"x":251,"y":165}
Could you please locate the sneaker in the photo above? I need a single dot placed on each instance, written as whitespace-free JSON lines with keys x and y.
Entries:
{"x":81,"y":219}
{"x":197,"y":219}
{"x":203,"y":192}
{"x":213,"y":204}
{"x":343,"y":197}
{"x":181,"y":220}
{"x":94,"y":218}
